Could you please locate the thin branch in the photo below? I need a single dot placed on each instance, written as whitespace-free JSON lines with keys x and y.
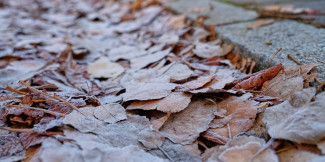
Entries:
{"x":54,"y":97}
{"x":294,"y":60}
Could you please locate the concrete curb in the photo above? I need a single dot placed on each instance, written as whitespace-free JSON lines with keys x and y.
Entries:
{"x":304,"y":42}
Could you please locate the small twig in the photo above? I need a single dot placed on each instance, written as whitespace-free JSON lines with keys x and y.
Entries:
{"x":294,"y":60}
{"x":320,"y":86}
{"x":269,"y":63}
{"x":299,"y":63}
{"x":39,"y":109}
{"x":54,"y":97}
{"x":267,"y":145}
{"x":165,"y":153}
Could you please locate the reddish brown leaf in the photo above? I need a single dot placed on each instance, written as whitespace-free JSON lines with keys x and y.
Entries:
{"x":257,"y":79}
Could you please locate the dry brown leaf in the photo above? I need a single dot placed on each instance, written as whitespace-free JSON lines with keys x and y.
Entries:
{"x":143,"y":61}
{"x":185,"y":126}
{"x":242,"y":149}
{"x":110,"y":113}
{"x":302,"y":122}
{"x":174,"y":102}
{"x":321,"y":146}
{"x":176,"y":152}
{"x":147,"y":91}
{"x":21,"y":70}
{"x":178,"y":72}
{"x":242,"y":112}
{"x":257,"y":79}
{"x":289,"y":81}
{"x":294,"y":155}
{"x":52,"y":151}
{"x":177,"y":22}
{"x":260,"y":23}
{"x":206,"y":50}
{"x":158,"y":123}
{"x":10,"y":144}
{"x":104,"y":68}
{"x":126,"y":52}
{"x":223,"y":77}
{"x":198,"y":83}
{"x":151,"y":138}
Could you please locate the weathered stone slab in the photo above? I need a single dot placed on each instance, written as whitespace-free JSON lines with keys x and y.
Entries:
{"x":304,"y":42}
{"x":218,"y":13}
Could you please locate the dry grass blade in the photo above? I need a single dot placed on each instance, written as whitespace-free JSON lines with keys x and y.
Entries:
{"x":39,"y":109}
{"x":15,"y":90}
{"x":267,"y":145}
{"x":25,"y":130}
{"x":54,"y":97}
{"x":165,"y":153}
{"x":269,"y":63}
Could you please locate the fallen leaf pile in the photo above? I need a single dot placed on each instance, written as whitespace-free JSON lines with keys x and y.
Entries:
{"x":98,"y":80}
{"x":289,"y":12}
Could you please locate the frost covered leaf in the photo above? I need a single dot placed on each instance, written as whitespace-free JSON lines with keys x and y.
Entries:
{"x":242,"y":149}
{"x":158,"y":123}
{"x":301,"y":123}
{"x":241,"y":113}
{"x":120,"y":134}
{"x":206,"y":50}
{"x":198,"y":83}
{"x":86,"y":123}
{"x":176,"y":152}
{"x":178,"y":72}
{"x":185,"y":126}
{"x":174,"y":102}
{"x":151,"y":138}
{"x":177,"y":22}
{"x":293,"y":155}
{"x":223,"y":76}
{"x":289,"y":81}
{"x":10,"y":144}
{"x":110,"y":113}
{"x":126,"y":52}
{"x":321,"y":146}
{"x":47,"y":123}
{"x":143,"y":61}
{"x":53,"y":151}
{"x":104,"y":68}
{"x":147,"y":91}
{"x":20,"y":70}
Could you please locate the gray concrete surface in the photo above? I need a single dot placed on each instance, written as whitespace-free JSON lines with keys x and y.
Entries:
{"x":304,"y":42}
{"x":218,"y":13}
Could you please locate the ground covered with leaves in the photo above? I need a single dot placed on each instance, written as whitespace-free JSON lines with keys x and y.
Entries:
{"x":98,"y":80}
